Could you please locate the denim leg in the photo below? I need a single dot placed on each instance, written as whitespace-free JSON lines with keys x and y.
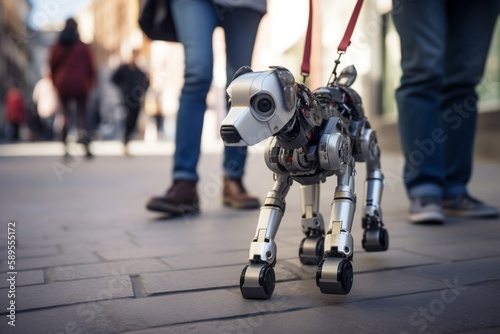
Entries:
{"x":195,"y":21}
{"x":240,"y":28}
{"x":470,"y":29}
{"x":422,"y":28}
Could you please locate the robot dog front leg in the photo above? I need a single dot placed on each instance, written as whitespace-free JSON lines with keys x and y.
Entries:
{"x":257,"y":279}
{"x":335,"y":273}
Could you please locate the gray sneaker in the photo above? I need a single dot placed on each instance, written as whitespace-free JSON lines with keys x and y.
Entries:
{"x":469,"y":207}
{"x":426,"y":210}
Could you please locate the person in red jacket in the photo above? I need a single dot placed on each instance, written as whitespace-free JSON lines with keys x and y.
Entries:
{"x":15,"y":110}
{"x":73,"y":70}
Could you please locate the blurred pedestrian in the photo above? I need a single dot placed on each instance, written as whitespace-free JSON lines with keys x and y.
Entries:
{"x":133,"y":84}
{"x":195,"y":22}
{"x":444,"y":46}
{"x":46,"y":100}
{"x":74,"y":73}
{"x":15,"y":110}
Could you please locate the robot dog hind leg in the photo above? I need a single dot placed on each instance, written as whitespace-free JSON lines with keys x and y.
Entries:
{"x":311,"y":247}
{"x":375,"y":236}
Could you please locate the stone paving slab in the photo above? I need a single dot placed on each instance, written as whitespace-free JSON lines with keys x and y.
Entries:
{"x":452,"y":233}
{"x":141,"y":253}
{"x":103,"y":269}
{"x":396,"y":258}
{"x":93,"y":247}
{"x":206,"y":259}
{"x":63,"y":293}
{"x":56,"y":260}
{"x":204,"y":278}
{"x":27,"y":277}
{"x":305,"y":293}
{"x":475,"y":249}
{"x":37,"y":251}
{"x":467,"y":272}
{"x":185,"y":280}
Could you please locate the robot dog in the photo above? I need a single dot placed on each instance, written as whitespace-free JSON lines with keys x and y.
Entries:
{"x":314,"y":135}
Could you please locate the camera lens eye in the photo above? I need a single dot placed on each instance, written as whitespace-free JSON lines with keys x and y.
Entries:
{"x":263,"y":104}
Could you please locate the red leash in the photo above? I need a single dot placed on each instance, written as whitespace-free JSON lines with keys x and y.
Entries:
{"x":306,"y":58}
{"x":341,"y":49}
{"x":346,"y":40}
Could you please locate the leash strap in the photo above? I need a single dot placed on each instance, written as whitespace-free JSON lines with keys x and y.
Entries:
{"x":346,"y":40}
{"x":305,"y":69}
{"x":344,"y":43}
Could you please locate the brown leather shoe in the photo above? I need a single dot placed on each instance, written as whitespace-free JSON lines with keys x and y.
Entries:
{"x":180,"y":199}
{"x":236,"y":196}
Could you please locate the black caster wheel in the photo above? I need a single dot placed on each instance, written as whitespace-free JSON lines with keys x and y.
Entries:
{"x":334,"y":276}
{"x":375,"y":239}
{"x":257,"y":281}
{"x":311,"y":250}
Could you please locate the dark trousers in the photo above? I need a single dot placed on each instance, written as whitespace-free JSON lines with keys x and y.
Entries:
{"x":130,"y":122}
{"x":81,"y":117}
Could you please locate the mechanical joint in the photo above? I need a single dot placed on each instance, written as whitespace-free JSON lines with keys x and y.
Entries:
{"x":313,"y":226}
{"x":341,"y":243}
{"x":334,"y":149}
{"x":262,"y":251}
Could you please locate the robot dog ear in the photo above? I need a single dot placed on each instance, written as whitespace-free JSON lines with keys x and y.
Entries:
{"x":347,"y":76}
{"x":287,"y":81}
{"x":242,"y":70}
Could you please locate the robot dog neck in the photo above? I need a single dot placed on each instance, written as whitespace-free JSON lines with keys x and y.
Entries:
{"x":306,"y":124}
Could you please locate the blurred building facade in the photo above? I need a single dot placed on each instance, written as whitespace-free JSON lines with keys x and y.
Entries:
{"x":14,"y":56}
{"x":116,"y":30}
{"x":14,"y":38}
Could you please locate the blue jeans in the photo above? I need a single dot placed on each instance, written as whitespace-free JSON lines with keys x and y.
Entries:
{"x":195,"y":22}
{"x":444,"y":46}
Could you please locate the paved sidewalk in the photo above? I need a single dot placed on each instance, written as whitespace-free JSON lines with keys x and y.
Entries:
{"x":91,"y":259}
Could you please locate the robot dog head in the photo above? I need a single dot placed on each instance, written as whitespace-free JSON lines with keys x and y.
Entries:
{"x":261,"y":104}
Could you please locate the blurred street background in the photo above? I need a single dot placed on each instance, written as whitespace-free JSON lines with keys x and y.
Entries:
{"x":92,"y":259}
{"x":28,"y":28}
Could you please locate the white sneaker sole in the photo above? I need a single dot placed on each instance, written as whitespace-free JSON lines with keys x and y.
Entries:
{"x":429,"y":217}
